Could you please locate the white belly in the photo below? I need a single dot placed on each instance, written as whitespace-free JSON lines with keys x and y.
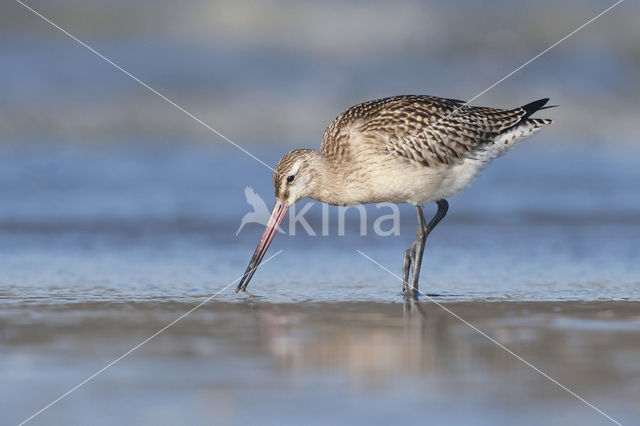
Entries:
{"x":418,"y":184}
{"x":405,"y":182}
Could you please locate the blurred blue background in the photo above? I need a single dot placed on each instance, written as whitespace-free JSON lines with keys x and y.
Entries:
{"x":93,"y":165}
{"x":278,"y":71}
{"x":118,"y":213}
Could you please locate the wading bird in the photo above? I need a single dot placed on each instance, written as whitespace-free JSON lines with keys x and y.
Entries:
{"x":402,"y":149}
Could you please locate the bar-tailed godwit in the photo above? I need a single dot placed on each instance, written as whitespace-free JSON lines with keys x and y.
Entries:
{"x":402,"y":149}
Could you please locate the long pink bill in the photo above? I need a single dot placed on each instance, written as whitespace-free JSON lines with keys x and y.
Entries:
{"x":278,"y":213}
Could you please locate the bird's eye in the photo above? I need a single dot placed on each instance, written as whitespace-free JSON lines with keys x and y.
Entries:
{"x":290,"y":178}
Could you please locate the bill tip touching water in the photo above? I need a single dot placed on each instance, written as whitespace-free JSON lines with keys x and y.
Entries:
{"x":403,"y":149}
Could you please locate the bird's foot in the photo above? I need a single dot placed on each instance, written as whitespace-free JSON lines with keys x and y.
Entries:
{"x":410,"y":292}
{"x":248,"y":293}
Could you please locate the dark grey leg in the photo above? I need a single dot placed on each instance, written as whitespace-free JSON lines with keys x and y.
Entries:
{"x":413,"y":255}
{"x":421,"y":238}
{"x":406,"y":266}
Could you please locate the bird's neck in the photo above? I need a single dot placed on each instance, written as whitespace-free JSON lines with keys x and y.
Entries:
{"x":333,"y":184}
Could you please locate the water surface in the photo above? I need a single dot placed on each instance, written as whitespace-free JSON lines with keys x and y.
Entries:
{"x":102,"y":246}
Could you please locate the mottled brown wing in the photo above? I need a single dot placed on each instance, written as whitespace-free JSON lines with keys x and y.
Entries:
{"x":424,"y":129}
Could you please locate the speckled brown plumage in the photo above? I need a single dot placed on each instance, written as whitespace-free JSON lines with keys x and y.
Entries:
{"x":403,"y":149}
{"x":424,"y":129}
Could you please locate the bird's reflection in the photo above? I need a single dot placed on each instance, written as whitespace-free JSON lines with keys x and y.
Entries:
{"x":364,"y":343}
{"x":372,"y":342}
{"x":412,"y":306}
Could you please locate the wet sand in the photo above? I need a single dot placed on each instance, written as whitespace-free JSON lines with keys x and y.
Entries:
{"x":257,"y":362}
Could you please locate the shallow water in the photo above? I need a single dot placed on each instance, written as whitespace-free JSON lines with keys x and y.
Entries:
{"x":100,"y":247}
{"x":140,"y":222}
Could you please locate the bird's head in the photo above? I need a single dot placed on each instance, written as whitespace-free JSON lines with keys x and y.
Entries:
{"x":294,"y":178}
